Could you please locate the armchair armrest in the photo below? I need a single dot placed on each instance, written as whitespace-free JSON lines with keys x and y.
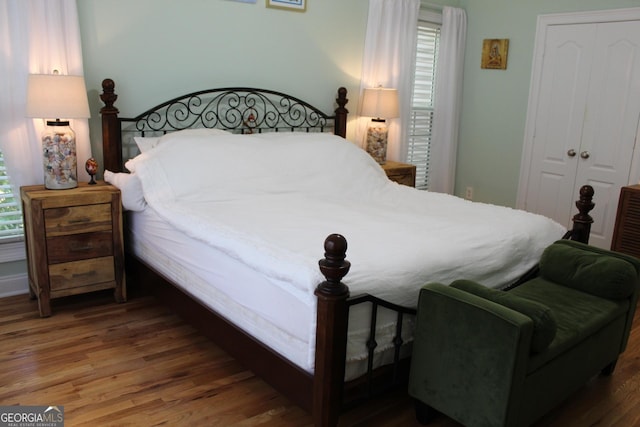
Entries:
{"x":596,"y":271}
{"x":469,"y":353}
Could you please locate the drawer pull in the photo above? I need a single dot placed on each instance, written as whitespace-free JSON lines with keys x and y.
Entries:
{"x":79,"y":220}
{"x":85,"y":275}
{"x":80,"y":248}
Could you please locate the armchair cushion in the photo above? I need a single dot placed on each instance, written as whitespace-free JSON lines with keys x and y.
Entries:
{"x":544,"y":323}
{"x":589,"y":271}
{"x":579,"y":315}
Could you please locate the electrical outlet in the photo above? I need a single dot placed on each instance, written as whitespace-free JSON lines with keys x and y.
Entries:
{"x":469,"y":193}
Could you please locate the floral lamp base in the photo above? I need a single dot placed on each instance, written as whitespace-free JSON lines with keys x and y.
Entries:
{"x":377,"y":143}
{"x":59,"y":157}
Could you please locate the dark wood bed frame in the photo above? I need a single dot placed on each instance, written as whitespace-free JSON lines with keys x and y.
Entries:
{"x":324,"y":393}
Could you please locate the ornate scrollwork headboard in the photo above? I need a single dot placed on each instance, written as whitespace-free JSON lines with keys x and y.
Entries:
{"x":241,"y":110}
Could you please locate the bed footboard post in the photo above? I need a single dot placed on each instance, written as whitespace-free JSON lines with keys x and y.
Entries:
{"x":341,"y":113}
{"x":111,"y":130}
{"x":582,"y":220}
{"x":331,"y":333}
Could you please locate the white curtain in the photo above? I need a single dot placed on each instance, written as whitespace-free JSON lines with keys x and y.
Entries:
{"x":389,"y":61}
{"x":448,"y":100}
{"x":36,"y":37}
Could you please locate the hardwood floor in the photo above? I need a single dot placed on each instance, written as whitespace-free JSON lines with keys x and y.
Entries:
{"x":137,"y":364}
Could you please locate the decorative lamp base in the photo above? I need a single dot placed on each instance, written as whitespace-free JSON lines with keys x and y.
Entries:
{"x":59,"y":156}
{"x":377,"y":141}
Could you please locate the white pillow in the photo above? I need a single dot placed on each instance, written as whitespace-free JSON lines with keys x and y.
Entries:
{"x":199,"y":131}
{"x":150,"y":142}
{"x":130,"y":189}
{"x":146,"y":143}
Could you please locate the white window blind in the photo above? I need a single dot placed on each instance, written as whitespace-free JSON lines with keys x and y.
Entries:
{"x":10,"y":207}
{"x":420,"y":125}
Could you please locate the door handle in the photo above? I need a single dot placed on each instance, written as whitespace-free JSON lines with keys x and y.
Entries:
{"x":585,"y":154}
{"x":571,"y":153}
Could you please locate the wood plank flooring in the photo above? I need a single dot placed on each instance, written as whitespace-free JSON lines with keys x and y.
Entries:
{"x":137,"y":364}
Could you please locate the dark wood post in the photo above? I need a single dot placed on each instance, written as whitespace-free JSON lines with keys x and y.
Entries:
{"x":582,"y":220}
{"x":331,"y":333}
{"x":111,"y":131}
{"x":341,"y":113}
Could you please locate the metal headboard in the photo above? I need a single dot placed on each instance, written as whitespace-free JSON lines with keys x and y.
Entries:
{"x":245,"y":110}
{"x":236,"y":109}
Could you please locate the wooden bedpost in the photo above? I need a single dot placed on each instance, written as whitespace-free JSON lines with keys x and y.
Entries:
{"x":331,"y":333}
{"x":341,"y":113}
{"x":111,"y":131}
{"x":582,"y":220}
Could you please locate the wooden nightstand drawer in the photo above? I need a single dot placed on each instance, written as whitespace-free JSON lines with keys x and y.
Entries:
{"x":75,"y":247}
{"x":81,"y":273}
{"x":77,"y":219}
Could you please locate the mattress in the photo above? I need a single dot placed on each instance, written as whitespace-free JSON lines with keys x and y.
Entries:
{"x":253,"y":302}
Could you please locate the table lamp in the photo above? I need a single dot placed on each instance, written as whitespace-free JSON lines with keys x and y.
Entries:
{"x":60,"y":96}
{"x":380,"y":104}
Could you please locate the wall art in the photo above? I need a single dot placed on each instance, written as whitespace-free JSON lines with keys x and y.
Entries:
{"x":494,"y":54}
{"x":297,"y":5}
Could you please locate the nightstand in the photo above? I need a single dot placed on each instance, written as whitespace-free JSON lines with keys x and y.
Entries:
{"x":74,"y":242}
{"x":402,"y":173}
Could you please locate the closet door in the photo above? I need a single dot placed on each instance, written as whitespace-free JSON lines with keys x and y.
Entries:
{"x":564,"y":85}
{"x":611,"y":121}
{"x":583,"y":118}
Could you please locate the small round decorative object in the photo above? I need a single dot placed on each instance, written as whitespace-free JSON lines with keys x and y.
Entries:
{"x":91,"y":166}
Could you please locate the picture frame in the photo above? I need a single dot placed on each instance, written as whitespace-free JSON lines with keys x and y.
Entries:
{"x":494,"y":54}
{"x":294,"y":5}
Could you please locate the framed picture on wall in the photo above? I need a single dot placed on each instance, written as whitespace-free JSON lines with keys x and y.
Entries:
{"x":297,"y":5}
{"x":494,"y":53}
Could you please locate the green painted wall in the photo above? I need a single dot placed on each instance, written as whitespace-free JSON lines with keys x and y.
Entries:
{"x":495,"y":101}
{"x":157,"y":49}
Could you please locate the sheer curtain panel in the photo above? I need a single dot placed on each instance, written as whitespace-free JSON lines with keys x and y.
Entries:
{"x":388,"y":61}
{"x":448,"y":94}
{"x":36,"y":37}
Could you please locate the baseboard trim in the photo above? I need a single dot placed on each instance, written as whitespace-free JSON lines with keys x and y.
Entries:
{"x":12,"y":251}
{"x":16,"y":284}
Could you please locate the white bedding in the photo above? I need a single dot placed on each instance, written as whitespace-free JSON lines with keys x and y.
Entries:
{"x":268,"y":201}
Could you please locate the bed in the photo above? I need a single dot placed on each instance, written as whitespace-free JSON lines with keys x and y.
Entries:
{"x":226,"y":213}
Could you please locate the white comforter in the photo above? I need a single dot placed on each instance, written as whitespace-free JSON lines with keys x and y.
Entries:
{"x":270,"y":200}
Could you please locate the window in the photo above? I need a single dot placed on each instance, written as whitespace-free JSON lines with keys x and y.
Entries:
{"x":421,"y":121}
{"x":10,"y":211}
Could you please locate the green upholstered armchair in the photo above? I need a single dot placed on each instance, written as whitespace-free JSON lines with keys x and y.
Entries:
{"x":486,"y":357}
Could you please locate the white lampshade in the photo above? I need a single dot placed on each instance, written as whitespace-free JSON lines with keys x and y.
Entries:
{"x":380,"y":103}
{"x":57,"y":96}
